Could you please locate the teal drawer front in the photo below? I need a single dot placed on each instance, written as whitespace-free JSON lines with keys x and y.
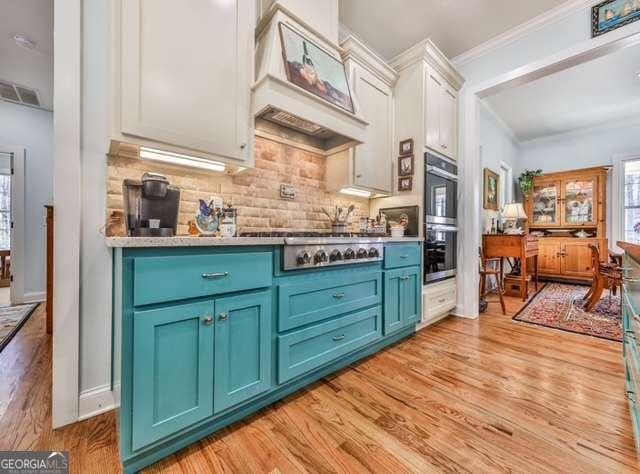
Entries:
{"x":307,"y":349}
{"x":634,"y":411}
{"x":160,"y":279}
{"x":172,"y":370}
{"x":402,"y":255}
{"x":322,"y":298}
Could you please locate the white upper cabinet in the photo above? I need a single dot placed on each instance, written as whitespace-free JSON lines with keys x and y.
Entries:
{"x":373,"y":159}
{"x":441,"y":120}
{"x":186,"y":70}
{"x":370,"y":164}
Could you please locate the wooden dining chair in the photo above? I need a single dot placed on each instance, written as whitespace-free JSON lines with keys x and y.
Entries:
{"x":486,"y":272}
{"x":606,"y":276}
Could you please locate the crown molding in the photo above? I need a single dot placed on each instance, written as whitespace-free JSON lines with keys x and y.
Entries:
{"x":522,"y":30}
{"x":355,"y":49}
{"x":427,"y":51}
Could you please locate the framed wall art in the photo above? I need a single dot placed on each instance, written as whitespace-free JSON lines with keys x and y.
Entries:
{"x":491,"y":182}
{"x":611,"y":14}
{"x":314,"y":69}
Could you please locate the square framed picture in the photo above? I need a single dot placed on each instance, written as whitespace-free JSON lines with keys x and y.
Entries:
{"x":405,"y":165}
{"x":314,"y":69}
{"x":405,"y":183}
{"x":491,"y":182}
{"x":406,"y":147}
{"x":611,"y":14}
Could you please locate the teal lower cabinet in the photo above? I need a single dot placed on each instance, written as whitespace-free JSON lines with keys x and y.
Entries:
{"x":402,"y":298}
{"x":172,"y":370}
{"x":242,"y":349}
{"x":207,"y":336}
{"x":631,"y":348}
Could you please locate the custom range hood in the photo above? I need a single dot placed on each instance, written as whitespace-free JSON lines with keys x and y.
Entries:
{"x":323,"y":106}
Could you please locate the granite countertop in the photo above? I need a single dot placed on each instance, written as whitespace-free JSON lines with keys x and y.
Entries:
{"x":187,"y":241}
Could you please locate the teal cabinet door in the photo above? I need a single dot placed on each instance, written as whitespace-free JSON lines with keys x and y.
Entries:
{"x":242,"y":348}
{"x":411,"y":287}
{"x":392,"y":301}
{"x":172,"y":370}
{"x":402,"y":298}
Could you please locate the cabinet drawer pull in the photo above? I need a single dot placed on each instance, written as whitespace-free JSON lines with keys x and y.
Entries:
{"x":631,"y":280}
{"x":223,"y":316}
{"x":215,"y":276}
{"x":208,"y":320}
{"x":631,"y":396}
{"x":338,"y":295}
{"x":358,"y":176}
{"x":404,"y":256}
{"x":338,"y":338}
{"x":442,"y":300}
{"x":404,"y":278}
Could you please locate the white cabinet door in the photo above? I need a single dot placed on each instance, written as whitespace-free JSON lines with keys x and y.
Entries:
{"x":448,"y":121}
{"x":186,"y":72}
{"x":373,"y":159}
{"x":432,"y":109}
{"x":441,"y":120}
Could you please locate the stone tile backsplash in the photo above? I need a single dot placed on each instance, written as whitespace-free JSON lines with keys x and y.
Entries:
{"x":254,"y":192}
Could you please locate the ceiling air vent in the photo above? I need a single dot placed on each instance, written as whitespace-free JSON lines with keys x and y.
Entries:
{"x":28,"y":96}
{"x":19,"y":94}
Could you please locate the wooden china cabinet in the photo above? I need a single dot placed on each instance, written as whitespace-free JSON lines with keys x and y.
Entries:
{"x":560,"y":207}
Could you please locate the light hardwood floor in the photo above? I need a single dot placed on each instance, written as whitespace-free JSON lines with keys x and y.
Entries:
{"x":465,"y":395}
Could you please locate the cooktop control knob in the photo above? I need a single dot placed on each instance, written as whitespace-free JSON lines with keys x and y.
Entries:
{"x":320,"y":257}
{"x":373,"y":252}
{"x":349,"y":254}
{"x":362,"y":253}
{"x":335,"y":256}
{"x":303,"y":258}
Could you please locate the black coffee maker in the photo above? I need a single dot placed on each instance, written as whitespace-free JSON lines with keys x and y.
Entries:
{"x":151,"y":206}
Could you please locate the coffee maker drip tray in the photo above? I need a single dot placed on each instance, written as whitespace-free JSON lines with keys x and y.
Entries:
{"x":152,"y":232}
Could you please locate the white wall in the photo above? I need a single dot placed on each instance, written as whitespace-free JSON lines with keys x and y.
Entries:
{"x":95,"y":258}
{"x":498,"y":146}
{"x":32,"y":129}
{"x":581,"y":148}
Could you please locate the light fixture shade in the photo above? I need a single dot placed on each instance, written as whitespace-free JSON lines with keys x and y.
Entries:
{"x":515,"y":210}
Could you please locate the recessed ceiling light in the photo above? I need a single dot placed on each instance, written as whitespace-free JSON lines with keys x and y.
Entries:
{"x":24,"y":42}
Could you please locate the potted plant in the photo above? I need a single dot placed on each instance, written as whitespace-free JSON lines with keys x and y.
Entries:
{"x":525,"y":180}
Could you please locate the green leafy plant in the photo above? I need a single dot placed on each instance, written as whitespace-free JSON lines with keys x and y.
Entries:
{"x":525,"y":180}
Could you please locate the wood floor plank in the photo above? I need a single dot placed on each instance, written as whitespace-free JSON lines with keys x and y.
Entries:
{"x":486,"y":395}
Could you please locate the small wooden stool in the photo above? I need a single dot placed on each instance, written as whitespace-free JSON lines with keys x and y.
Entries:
{"x":485,"y":273}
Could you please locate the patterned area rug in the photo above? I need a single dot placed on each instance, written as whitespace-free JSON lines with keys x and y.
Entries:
{"x":559,"y":306}
{"x":11,"y":320}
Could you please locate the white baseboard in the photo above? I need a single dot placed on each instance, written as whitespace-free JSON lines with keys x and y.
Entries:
{"x":35,"y":297}
{"x":95,"y":401}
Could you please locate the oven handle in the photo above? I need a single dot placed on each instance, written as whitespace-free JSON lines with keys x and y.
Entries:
{"x":441,"y":173}
{"x":442,"y":228}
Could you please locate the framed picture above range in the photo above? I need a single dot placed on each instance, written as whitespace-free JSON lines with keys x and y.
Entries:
{"x":314,"y":69}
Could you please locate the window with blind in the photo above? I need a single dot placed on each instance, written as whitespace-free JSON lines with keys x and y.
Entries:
{"x":632,"y":201}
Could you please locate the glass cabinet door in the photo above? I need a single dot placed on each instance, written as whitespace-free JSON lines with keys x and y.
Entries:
{"x":545,"y":197}
{"x":578,"y":201}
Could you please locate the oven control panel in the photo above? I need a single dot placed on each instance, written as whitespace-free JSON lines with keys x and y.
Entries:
{"x":298,"y":257}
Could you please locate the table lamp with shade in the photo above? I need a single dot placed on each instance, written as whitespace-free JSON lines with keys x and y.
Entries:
{"x":511,"y":213}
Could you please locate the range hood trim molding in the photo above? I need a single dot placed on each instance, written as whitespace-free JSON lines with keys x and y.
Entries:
{"x":273,"y":89}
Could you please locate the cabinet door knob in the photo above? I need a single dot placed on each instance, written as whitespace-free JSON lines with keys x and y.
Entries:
{"x":223,"y":316}
{"x":444,"y":146}
{"x":243,"y":146}
{"x":208,"y":320}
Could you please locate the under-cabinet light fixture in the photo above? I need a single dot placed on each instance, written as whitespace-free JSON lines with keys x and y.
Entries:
{"x":179,"y":159}
{"x":356,"y":192}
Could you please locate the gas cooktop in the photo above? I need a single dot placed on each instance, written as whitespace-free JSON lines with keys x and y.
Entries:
{"x":308,"y":234}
